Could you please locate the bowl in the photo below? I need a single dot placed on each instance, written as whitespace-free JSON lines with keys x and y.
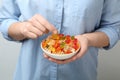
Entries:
{"x":59,"y":56}
{"x":56,"y":55}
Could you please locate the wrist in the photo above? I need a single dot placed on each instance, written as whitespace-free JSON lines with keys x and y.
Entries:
{"x":97,"y":39}
{"x":87,"y":38}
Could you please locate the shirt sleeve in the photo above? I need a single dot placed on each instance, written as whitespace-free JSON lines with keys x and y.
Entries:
{"x":9,"y":14}
{"x":110,"y":21}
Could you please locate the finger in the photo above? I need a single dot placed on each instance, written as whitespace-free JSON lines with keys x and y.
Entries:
{"x":31,"y":35}
{"x":26,"y":33}
{"x":52,"y":59}
{"x":38,"y":25}
{"x":70,"y":60}
{"x":61,"y":61}
{"x":56,"y":61}
{"x":35,"y":31}
{"x":45,"y":23}
{"x":84,"y":45}
{"x":46,"y":56}
{"x":82,"y":51}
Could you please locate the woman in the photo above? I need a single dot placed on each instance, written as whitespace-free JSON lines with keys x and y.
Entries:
{"x":95,"y":23}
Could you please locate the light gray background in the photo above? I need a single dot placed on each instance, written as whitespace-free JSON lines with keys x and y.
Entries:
{"x":108,"y":67}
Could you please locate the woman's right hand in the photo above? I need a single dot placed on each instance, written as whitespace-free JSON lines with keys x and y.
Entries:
{"x":33,"y":28}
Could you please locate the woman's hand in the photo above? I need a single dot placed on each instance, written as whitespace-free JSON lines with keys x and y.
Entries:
{"x":33,"y":28}
{"x":84,"y":46}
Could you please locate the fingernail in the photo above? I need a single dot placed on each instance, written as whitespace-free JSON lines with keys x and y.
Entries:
{"x":55,"y":31}
{"x":50,"y":59}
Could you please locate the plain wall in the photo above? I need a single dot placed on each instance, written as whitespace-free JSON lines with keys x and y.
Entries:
{"x":8,"y":58}
{"x":108,"y":61}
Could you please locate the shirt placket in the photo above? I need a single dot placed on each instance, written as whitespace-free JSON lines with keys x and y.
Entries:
{"x":59,"y":14}
{"x":58,"y":22}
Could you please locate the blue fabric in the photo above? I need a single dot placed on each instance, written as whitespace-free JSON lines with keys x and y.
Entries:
{"x":71,"y":17}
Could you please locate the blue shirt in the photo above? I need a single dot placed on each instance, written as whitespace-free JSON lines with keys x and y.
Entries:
{"x":71,"y":17}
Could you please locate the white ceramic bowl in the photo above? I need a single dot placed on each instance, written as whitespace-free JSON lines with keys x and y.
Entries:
{"x":59,"y":56}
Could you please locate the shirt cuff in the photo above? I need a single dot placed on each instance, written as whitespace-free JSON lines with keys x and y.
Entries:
{"x":112,"y":35}
{"x":4,"y":28}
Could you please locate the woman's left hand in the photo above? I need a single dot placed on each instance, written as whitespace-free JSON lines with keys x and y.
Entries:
{"x":84,"y":46}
